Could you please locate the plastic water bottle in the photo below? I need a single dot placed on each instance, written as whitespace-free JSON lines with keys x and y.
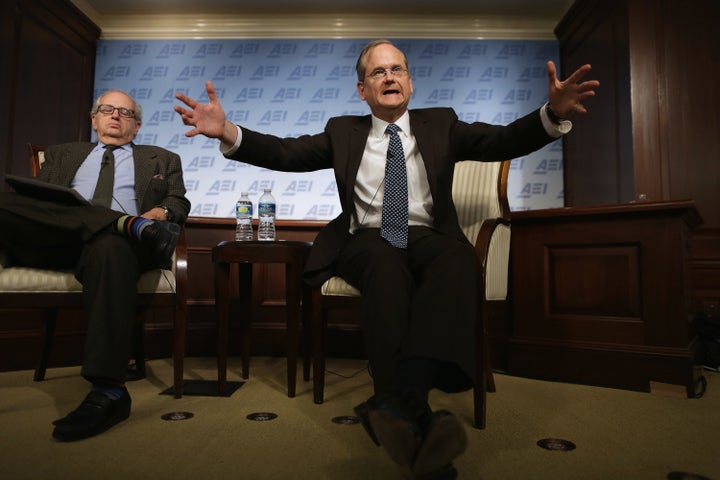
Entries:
{"x":266,"y":216}
{"x":243,"y":218}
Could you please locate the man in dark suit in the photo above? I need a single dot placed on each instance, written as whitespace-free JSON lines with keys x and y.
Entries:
{"x":410,"y":260}
{"x":130,"y":228}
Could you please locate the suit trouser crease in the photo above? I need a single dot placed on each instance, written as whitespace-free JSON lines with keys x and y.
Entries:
{"x":419,"y":302}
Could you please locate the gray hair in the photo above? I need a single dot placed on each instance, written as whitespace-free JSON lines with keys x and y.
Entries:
{"x":136,"y":106}
{"x":360,"y":66}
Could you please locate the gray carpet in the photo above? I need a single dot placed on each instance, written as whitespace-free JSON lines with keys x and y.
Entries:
{"x":618,"y":434}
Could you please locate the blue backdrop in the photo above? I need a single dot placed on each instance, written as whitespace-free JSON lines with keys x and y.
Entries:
{"x":292,"y":87}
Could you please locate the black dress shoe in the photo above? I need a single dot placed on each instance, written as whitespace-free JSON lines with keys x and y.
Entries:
{"x":160,"y":238}
{"x":399,"y":436}
{"x":444,"y":439}
{"x":395,"y":421}
{"x":362,"y":411}
{"x":96,"y":414}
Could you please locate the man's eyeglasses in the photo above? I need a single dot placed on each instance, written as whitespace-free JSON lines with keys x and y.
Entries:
{"x":378,"y":73}
{"x":122,"y":111}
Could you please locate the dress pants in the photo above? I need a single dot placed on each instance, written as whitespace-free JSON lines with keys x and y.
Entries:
{"x":417,"y":303}
{"x":43,"y":234}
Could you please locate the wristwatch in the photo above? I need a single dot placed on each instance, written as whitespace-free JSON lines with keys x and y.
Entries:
{"x":168,"y":213}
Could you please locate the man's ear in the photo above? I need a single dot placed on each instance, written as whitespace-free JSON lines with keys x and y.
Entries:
{"x":361,"y":90}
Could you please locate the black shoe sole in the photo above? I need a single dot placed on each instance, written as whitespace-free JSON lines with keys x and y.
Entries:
{"x":362,"y":411}
{"x":444,"y":441}
{"x":399,"y":437}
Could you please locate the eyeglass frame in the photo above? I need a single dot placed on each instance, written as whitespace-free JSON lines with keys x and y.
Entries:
{"x":122,"y":111}
{"x":396,"y":71}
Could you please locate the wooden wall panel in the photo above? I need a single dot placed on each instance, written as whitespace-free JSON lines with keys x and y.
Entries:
{"x":596,"y":286}
{"x":652,"y":129}
{"x":49,"y":52}
{"x":597,"y":155}
{"x":47,"y":58}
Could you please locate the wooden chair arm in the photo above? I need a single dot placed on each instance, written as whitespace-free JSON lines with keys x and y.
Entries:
{"x":484,"y":236}
{"x":488,"y":230}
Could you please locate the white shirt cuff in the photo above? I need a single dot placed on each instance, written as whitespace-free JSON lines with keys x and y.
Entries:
{"x":227,"y":149}
{"x":552,"y":129}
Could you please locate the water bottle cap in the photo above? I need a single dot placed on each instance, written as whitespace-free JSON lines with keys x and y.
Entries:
{"x":243,"y":194}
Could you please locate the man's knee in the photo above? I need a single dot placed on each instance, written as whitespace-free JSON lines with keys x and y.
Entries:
{"x":110,"y":245}
{"x":108,"y":253}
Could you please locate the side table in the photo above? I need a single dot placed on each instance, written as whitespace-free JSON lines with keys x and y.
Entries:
{"x":246,"y":253}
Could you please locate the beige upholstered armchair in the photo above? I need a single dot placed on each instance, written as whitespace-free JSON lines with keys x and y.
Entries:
{"x":480,"y":196}
{"x":51,"y":291}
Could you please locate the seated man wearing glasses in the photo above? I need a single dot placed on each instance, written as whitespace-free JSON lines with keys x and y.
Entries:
{"x":397,"y":238}
{"x":138,"y":198}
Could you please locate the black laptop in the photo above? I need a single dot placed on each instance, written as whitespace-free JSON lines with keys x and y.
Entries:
{"x":32,"y":187}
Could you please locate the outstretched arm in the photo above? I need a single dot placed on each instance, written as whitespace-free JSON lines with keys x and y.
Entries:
{"x":566,"y":97}
{"x":208,"y":119}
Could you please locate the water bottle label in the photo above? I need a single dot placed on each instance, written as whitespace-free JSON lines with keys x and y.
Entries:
{"x":243,"y":210}
{"x":266,"y":209}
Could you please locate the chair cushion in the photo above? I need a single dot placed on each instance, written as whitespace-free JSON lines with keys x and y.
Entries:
{"x":336,"y":286}
{"x":23,"y":279}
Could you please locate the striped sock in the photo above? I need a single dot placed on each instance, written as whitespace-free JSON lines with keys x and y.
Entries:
{"x":112,"y":391}
{"x":132,"y":226}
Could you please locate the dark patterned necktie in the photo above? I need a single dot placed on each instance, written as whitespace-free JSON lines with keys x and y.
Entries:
{"x":394,"y":226}
{"x":106,"y":179}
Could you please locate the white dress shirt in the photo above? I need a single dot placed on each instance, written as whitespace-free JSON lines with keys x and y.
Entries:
{"x":369,"y":183}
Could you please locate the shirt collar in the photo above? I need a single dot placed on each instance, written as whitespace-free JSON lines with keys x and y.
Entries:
{"x":379,"y":126}
{"x":101,"y":146}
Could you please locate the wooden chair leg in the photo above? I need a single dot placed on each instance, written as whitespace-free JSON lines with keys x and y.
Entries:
{"x":50,"y":321}
{"x":482,"y":367}
{"x":179,"y":349}
{"x":489,"y":376}
{"x":319,"y":324}
{"x":306,"y":342}
{"x":479,"y":400}
{"x":485,"y":380}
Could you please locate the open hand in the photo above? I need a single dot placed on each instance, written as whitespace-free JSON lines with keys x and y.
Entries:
{"x":208,"y":119}
{"x":566,"y":97}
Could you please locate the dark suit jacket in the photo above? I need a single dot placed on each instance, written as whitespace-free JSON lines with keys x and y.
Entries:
{"x":158,"y":174}
{"x":442,"y":140}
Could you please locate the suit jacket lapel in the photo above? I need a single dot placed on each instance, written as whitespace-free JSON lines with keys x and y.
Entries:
{"x":426,"y":140}
{"x":146,"y":165}
{"x":72,"y":162}
{"x":356,"y":148}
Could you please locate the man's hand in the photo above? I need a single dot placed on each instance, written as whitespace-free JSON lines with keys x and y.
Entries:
{"x":566,"y":97}
{"x":156,"y":213}
{"x":209,"y":119}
